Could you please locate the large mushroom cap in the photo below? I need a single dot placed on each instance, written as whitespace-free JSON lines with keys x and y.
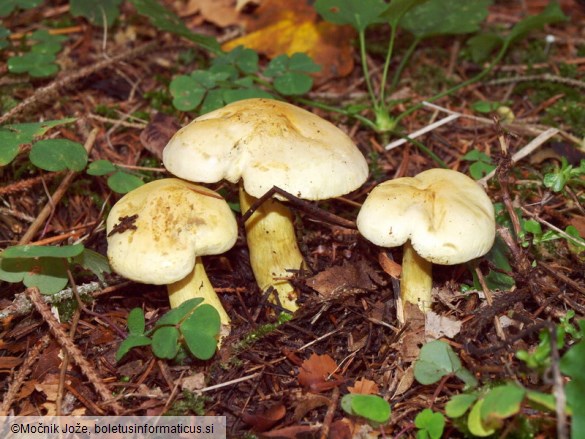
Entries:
{"x":176,"y":222}
{"x":267,"y":143}
{"x":447,"y":216}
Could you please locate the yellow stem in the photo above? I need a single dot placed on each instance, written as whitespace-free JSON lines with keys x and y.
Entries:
{"x":273,"y":247}
{"x":197,"y":284}
{"x":416,"y":280}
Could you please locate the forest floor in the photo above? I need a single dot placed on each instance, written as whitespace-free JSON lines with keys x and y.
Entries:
{"x":285,"y":377}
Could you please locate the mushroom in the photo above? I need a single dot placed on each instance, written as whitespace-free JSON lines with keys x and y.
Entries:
{"x":439,"y":216}
{"x":265,"y":143}
{"x":158,"y":232}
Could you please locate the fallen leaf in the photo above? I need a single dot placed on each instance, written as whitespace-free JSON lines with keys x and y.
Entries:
{"x":307,"y":403}
{"x":222,"y":13}
{"x":437,"y":326}
{"x":405,"y":381}
{"x":316,"y":371}
{"x":336,"y":279}
{"x":414,"y":334}
{"x":282,"y":27}
{"x":342,"y":429}
{"x":578,"y":221}
{"x":262,"y":421}
{"x":241,"y":4}
{"x":193,"y":382}
{"x":364,"y":387}
{"x":158,"y":132}
{"x":7,"y":363}
{"x":49,"y":386}
{"x":292,"y":432}
{"x":388,"y":265}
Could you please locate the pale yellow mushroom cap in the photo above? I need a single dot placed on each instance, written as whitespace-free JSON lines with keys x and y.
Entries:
{"x":176,"y":222}
{"x":267,"y":143}
{"x":447,"y":216}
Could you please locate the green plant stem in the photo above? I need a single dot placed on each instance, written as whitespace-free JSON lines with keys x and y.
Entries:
{"x":426,"y":150}
{"x":387,"y":66}
{"x":366,"y":71}
{"x":405,"y":59}
{"x":476,"y":78}
{"x":367,"y":122}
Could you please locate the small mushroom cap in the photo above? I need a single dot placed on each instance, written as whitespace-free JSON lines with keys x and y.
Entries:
{"x":447,"y":216}
{"x":267,"y":143}
{"x":176,"y":222}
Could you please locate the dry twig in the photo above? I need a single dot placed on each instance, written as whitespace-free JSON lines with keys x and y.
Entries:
{"x":76,"y":355}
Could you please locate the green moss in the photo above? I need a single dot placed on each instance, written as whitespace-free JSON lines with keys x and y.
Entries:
{"x":190,"y":404}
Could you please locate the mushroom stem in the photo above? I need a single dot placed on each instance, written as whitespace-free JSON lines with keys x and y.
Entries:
{"x":196,"y":284}
{"x":416,"y":280}
{"x":273,"y":248}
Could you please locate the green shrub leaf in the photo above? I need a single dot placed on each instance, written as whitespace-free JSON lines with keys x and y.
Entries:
{"x":436,"y":360}
{"x":371,"y":407}
{"x":459,"y":404}
{"x":501,"y":402}
{"x":445,"y":17}
{"x":99,"y":13}
{"x":136,"y":323}
{"x":165,"y":342}
{"x":58,"y":155}
{"x":7,"y":6}
{"x":431,"y":423}
{"x":123,"y":182}
{"x":132,"y":341}
{"x":37,"y":251}
{"x":101,"y":167}
{"x":357,"y":13}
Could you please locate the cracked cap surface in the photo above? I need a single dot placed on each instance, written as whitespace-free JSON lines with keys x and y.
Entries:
{"x":446,"y":215}
{"x":176,"y":222}
{"x":267,"y":143}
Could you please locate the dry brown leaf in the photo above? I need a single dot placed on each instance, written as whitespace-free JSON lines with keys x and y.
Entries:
{"x":316,"y":371}
{"x":414,"y":334}
{"x":264,"y":420}
{"x":7,"y":363}
{"x":222,"y":13}
{"x":437,"y":326}
{"x":388,"y":265}
{"x":283,"y":27}
{"x":338,"y":278}
{"x":158,"y":132}
{"x":364,"y":387}
{"x":405,"y":381}
{"x":193,"y":382}
{"x":342,"y":429}
{"x":307,"y":403}
{"x":578,"y":222}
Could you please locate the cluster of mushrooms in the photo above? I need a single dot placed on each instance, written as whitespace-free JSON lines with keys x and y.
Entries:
{"x":158,"y":233}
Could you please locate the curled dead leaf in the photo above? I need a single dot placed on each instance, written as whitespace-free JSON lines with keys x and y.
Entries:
{"x":365,"y":387}
{"x":315,"y":373}
{"x":264,"y":420}
{"x":282,"y":27}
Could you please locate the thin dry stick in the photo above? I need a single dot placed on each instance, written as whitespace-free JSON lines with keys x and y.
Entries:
{"x":558,"y":389}
{"x":23,"y":372}
{"x":525,"y":151}
{"x":422,"y":131}
{"x":490,"y":300}
{"x":516,"y":127}
{"x":55,"y":86}
{"x":73,"y":351}
{"x":59,"y":193}
{"x":325,"y":428}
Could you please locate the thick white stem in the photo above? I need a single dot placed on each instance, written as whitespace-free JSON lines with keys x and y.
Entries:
{"x":416,"y":281}
{"x":197,"y":284}
{"x":273,"y":248}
